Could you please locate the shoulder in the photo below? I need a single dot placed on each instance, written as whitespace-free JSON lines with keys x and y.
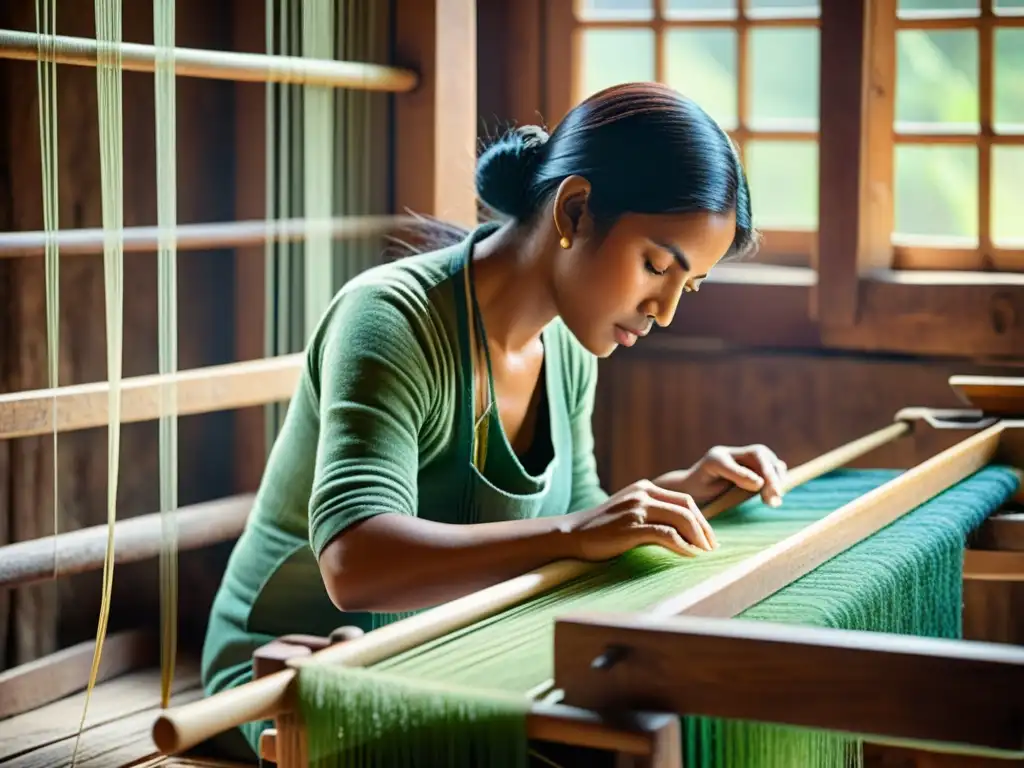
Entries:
{"x":402,"y":311}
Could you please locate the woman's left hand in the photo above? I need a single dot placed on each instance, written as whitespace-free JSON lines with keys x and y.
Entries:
{"x":754,"y":468}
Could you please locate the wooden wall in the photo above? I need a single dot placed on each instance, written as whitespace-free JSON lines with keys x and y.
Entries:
{"x":659,"y":409}
{"x":38,"y":619}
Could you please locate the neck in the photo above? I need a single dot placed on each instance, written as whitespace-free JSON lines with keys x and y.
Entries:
{"x":513,"y":287}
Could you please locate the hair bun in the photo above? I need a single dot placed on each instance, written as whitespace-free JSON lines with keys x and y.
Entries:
{"x":505,"y":171}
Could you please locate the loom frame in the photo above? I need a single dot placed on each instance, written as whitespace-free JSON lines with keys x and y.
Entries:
{"x":646,"y":737}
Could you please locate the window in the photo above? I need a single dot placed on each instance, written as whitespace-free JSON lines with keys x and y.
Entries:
{"x":955,"y":101}
{"x":752,"y":64}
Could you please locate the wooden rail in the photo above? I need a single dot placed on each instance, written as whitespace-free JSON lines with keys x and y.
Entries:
{"x":216,"y":65}
{"x":198,"y":237}
{"x":136,"y":538}
{"x":199,"y":390}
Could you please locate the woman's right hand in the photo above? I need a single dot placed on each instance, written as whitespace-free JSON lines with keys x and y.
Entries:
{"x":640,"y":514}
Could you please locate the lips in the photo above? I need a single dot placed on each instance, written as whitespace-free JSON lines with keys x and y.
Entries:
{"x":626,"y":336}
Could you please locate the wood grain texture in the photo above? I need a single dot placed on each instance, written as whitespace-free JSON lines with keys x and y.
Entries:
{"x":60,"y":674}
{"x":934,"y":690}
{"x":659,"y":410}
{"x":121,"y":713}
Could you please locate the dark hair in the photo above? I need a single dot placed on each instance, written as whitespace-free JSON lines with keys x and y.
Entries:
{"x":644,"y":148}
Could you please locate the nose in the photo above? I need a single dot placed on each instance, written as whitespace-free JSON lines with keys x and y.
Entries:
{"x":662,"y":308}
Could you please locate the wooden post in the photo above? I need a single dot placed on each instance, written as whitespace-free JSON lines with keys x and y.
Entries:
{"x":435,"y":125}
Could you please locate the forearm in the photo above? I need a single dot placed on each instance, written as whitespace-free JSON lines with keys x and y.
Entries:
{"x":393,"y":562}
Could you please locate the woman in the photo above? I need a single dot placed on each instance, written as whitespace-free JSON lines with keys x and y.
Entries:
{"x":440,"y":438}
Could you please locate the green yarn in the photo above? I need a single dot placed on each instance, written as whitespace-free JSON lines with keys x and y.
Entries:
{"x":385,"y":719}
{"x":467,"y":692}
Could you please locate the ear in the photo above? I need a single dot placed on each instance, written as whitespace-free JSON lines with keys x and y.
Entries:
{"x":571,"y":212}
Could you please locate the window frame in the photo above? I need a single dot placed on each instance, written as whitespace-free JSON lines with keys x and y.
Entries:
{"x":854,"y":298}
{"x":780,"y":247}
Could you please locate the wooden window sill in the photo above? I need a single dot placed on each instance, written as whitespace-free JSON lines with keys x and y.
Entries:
{"x":950,"y":314}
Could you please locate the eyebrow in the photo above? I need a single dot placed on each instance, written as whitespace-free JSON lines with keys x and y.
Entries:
{"x":679,"y":256}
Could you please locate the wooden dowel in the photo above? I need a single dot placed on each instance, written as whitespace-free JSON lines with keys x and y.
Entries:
{"x":135,"y":539}
{"x":199,"y":390}
{"x":215,"y":65}
{"x":768,"y":571}
{"x":198,"y":237}
{"x":182,"y":728}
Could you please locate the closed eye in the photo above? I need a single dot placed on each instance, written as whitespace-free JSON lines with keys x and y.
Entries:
{"x":653,"y":269}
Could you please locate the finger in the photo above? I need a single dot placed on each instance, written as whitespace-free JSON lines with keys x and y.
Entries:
{"x":763,"y":462}
{"x":684,"y":518}
{"x":683,"y":504}
{"x":663,"y":536}
{"x":727,"y":467}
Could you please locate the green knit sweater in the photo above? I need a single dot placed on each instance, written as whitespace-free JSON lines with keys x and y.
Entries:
{"x":381,"y":422}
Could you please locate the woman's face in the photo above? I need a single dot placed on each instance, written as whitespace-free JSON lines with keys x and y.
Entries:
{"x":611,"y":292}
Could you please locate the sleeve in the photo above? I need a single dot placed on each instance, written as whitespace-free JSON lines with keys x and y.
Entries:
{"x":374,"y":399}
{"x":586,"y":486}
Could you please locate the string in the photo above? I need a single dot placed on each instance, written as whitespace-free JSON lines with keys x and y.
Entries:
{"x":46,"y":75}
{"x":108,"y":102}
{"x":167,"y":322}
{"x":318,"y":164}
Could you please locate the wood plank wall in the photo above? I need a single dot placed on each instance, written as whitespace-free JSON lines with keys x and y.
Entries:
{"x":36,"y":620}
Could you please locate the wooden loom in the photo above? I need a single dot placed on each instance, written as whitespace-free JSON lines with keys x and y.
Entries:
{"x":951,"y":694}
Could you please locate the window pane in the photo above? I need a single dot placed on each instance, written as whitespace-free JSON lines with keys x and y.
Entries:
{"x":680,"y":9}
{"x":780,"y":8}
{"x":1009,"y":6}
{"x":613,"y":56}
{"x":937,"y":7}
{"x":783,"y":78}
{"x":936,"y":190}
{"x":1007,"y":194}
{"x":937,"y":78}
{"x":783,"y":178}
{"x":1008,"y":88}
{"x":616,"y":9}
{"x":702,"y":65}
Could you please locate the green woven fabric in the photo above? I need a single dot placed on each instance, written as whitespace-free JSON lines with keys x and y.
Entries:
{"x":467,"y":693}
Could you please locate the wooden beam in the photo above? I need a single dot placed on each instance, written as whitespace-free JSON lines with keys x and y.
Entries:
{"x":60,"y":674}
{"x":873,"y":683}
{"x":201,"y":237}
{"x":137,"y":538}
{"x":200,"y":390}
{"x":1002,"y":532}
{"x":435,"y":125}
{"x":841,"y":109}
{"x":216,"y":65}
{"x":995,"y":395}
{"x":989,"y":565}
{"x":934,"y":313}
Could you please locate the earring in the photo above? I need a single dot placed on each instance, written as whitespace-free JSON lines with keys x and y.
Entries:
{"x":565,"y":242}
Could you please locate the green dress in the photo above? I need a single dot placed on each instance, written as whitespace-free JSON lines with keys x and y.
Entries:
{"x":382,"y":421}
